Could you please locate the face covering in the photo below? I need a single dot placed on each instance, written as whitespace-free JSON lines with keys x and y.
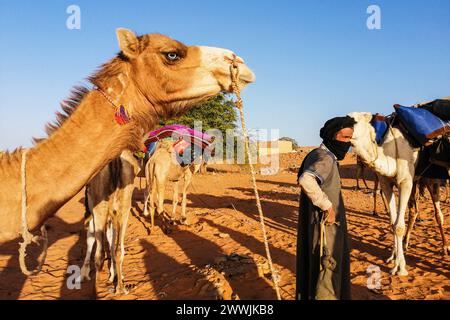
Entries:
{"x":338,"y":148}
{"x":328,"y":133}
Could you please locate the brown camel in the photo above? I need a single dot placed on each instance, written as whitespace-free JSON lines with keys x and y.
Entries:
{"x":161,"y":169}
{"x":434,"y":188}
{"x":108,"y":201}
{"x":152,"y":78}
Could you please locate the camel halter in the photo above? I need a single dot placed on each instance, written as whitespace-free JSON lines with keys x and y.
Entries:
{"x":234,"y":71}
{"x":121,"y":114}
{"x":28,"y":238}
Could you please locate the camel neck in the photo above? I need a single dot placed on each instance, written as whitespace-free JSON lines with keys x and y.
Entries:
{"x":385,"y":162}
{"x":58,"y":168}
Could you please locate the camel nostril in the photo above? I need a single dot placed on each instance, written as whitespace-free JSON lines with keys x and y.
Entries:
{"x":233,"y":57}
{"x":239,"y":60}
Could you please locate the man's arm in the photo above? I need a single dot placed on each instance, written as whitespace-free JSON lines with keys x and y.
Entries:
{"x":308,"y":183}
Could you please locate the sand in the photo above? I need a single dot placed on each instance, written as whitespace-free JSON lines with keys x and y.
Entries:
{"x":219,"y":252}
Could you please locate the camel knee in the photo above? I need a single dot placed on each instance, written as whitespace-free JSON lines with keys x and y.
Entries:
{"x":399,"y":231}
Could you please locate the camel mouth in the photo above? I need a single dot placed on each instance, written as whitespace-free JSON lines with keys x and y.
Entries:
{"x":246,"y":75}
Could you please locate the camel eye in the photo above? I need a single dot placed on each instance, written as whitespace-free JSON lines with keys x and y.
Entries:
{"x":172,"y":56}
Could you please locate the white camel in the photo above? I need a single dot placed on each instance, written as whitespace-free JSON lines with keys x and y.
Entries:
{"x":394,"y":162}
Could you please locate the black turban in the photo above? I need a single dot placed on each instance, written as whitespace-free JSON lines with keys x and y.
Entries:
{"x":329,"y":131}
{"x":333,"y":126}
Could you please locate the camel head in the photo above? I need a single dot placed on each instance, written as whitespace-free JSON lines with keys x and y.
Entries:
{"x":170,"y":77}
{"x":364,"y":138}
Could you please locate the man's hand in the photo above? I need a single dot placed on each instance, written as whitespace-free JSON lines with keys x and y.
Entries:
{"x":330,"y":216}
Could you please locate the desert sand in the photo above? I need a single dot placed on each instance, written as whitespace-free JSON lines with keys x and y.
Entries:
{"x":218,"y":254}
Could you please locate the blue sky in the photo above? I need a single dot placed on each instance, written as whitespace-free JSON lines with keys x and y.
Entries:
{"x":313,"y":59}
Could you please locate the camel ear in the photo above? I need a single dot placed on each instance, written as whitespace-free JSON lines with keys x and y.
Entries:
{"x":361,"y":116}
{"x":128,"y":42}
{"x":368,"y":116}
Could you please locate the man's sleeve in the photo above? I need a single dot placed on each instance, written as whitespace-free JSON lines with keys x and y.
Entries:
{"x":319,"y":165}
{"x":309,"y":185}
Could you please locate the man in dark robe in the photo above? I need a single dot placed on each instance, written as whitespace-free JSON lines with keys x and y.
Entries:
{"x":323,"y":258}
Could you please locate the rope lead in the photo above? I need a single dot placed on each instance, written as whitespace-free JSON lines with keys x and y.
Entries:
{"x":234,"y":71}
{"x":28,"y":238}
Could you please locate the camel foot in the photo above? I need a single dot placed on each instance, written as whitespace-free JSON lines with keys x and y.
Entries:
{"x":122,"y":290}
{"x":405,"y":245}
{"x":394,"y":271}
{"x":111,"y":278}
{"x":85,"y":275}
{"x":402,"y":273}
{"x":183,"y":221}
{"x":390,"y":259}
{"x":399,"y":271}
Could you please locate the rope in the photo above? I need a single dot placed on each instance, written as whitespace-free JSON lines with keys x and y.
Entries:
{"x":234,"y":71}
{"x":322,"y":239}
{"x":28,"y":238}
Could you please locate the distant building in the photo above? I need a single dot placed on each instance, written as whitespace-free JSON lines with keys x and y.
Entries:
{"x":274,"y":147}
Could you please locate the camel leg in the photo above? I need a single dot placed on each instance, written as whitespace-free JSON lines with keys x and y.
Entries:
{"x":203,"y":168}
{"x":434,"y":189}
{"x":90,"y":240}
{"x":175,"y":199}
{"x":187,"y":181}
{"x":116,"y":253}
{"x":387,"y":190}
{"x":151,"y":200}
{"x":412,"y":206}
{"x":100,"y":219}
{"x":385,"y":202}
{"x":358,"y":175}
{"x":161,"y":191}
{"x":383,"y":198}
{"x":447,"y":191}
{"x":405,"y":188}
{"x":364,"y":178}
{"x":421,"y":183}
{"x":110,"y":235}
{"x":375,"y":190}
{"x":121,"y":226}
{"x":147,"y":190}
{"x":447,"y":197}
{"x":122,"y":241}
{"x":146,"y":199}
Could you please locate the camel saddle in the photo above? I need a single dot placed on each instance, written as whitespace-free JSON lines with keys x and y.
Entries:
{"x":434,"y":155}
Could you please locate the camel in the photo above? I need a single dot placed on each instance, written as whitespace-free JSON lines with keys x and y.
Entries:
{"x":434,"y":188}
{"x":394,"y":162}
{"x":159,"y":170}
{"x":152,"y":78}
{"x":360,"y":168}
{"x":108,"y":201}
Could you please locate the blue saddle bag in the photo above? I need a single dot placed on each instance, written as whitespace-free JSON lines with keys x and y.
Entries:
{"x":380,"y":125}
{"x":421,"y":124}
